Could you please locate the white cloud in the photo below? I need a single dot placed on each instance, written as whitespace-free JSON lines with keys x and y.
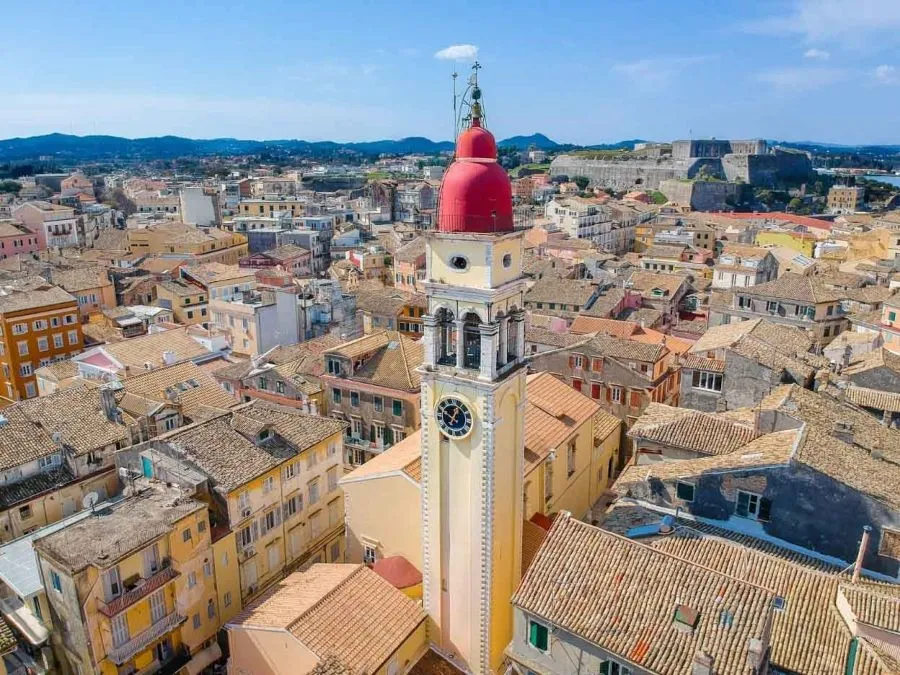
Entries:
{"x":816,"y":54}
{"x":885,"y":74}
{"x":656,"y":72}
{"x":458,"y":53}
{"x":801,"y":79}
{"x":854,"y":24}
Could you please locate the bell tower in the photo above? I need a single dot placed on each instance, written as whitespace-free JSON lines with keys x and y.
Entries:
{"x":473,"y":393}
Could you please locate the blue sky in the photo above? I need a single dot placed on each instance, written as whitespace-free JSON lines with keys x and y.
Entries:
{"x":580,"y":71}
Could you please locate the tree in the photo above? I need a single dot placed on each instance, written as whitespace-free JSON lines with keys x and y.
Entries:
{"x":10,"y":186}
{"x":582,"y":182}
{"x":795,"y":204}
{"x":117,"y":199}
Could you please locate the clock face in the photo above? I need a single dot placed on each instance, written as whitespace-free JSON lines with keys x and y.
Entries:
{"x":454,"y":418}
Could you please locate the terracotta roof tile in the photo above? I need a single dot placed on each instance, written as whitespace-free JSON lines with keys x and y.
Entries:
{"x":585,"y":580}
{"x":686,"y":429}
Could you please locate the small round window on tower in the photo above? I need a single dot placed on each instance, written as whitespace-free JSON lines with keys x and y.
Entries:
{"x":459,"y":262}
{"x":507,"y":260}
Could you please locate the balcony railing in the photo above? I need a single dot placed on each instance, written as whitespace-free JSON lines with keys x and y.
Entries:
{"x":144,"y":588}
{"x":145,"y":638}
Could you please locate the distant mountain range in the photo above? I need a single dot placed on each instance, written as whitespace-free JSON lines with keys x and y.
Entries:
{"x":67,"y":148}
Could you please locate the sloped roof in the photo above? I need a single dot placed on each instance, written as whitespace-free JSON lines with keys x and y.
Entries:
{"x":554,"y":411}
{"x":693,"y":430}
{"x":392,"y":360}
{"x":585,"y":580}
{"x":184,"y":383}
{"x":347,"y":612}
{"x":791,"y":286}
{"x":31,"y":293}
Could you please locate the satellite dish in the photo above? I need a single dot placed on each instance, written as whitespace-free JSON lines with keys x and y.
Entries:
{"x":90,"y":499}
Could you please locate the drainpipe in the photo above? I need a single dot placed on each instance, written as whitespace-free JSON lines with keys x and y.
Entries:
{"x":863,"y":545}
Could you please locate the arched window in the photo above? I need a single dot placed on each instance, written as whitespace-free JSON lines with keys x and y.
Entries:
{"x":446,"y":338}
{"x":471,"y":341}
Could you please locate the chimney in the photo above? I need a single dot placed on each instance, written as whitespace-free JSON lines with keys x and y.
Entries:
{"x":703,"y":664}
{"x":863,"y":545}
{"x":845,"y":359}
{"x":756,"y":654}
{"x":313,"y":408}
{"x":108,"y":403}
{"x":168,"y":358}
{"x":843,"y":431}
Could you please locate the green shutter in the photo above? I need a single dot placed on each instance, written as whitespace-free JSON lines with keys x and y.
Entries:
{"x":604,"y":668}
{"x":743,"y":504}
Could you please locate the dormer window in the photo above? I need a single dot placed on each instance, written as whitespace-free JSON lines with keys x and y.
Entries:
{"x":265,"y":434}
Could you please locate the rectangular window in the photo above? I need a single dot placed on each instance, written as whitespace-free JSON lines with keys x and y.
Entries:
{"x":58,"y":340}
{"x":576,"y":384}
{"x":615,"y":394}
{"x":751,"y":505}
{"x":19,"y":328}
{"x":707,"y":381}
{"x":43,"y":343}
{"x":538,"y":635}
{"x":157,"y":606}
{"x":570,"y":459}
{"x":23,"y":348}
{"x":289,"y":471}
{"x":25,"y":512}
{"x":40,"y":324}
{"x":186,"y":535}
{"x":263,"y":383}
{"x":192,"y":580}
{"x":378,"y":403}
{"x":313,"y":491}
{"x":25,"y":369}
{"x":684,"y":491}
{"x":354,"y":399}
{"x":597,"y":365}
{"x":595,"y":390}
{"x":369,"y":555}
{"x":332,"y":479}
{"x":397,"y":408}
{"x":268,"y":484}
{"x":196,"y":621}
{"x":772,"y":306}
{"x":336,"y":395}
{"x":73,"y":337}
{"x":226,"y":599}
{"x":112,"y":583}
{"x":55,"y":581}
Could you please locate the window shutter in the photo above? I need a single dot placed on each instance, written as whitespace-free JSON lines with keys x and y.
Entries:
{"x":277,"y":517}
{"x":597,"y":365}
{"x":533,"y":634}
{"x":254,"y":531}
{"x":587,"y":362}
{"x":765,"y":508}
{"x":743,"y":504}
{"x":609,"y":395}
{"x":571,"y":361}
{"x":604,"y":668}
{"x":595,"y":391}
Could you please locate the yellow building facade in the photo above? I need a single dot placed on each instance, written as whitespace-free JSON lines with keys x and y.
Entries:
{"x":802,"y":243}
{"x":133,"y":585}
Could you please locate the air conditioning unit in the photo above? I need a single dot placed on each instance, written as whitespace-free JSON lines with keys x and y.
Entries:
{"x":245,"y":513}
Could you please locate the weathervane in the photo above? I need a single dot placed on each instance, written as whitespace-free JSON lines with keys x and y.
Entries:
{"x":470,"y":106}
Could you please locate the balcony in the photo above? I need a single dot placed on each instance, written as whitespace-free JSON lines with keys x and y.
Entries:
{"x":143,"y":588}
{"x":145,"y":638}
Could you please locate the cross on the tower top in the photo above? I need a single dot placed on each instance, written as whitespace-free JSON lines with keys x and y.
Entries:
{"x":473,"y":78}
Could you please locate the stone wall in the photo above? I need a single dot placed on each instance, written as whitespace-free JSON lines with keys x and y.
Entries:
{"x":742,"y":161}
{"x":618,"y":174}
{"x":702,"y":195}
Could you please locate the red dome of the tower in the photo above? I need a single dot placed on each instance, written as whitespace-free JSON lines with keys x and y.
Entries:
{"x":476,"y":142}
{"x":476,"y":195}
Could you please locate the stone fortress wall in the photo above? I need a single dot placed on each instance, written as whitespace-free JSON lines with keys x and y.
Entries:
{"x":743,"y":161}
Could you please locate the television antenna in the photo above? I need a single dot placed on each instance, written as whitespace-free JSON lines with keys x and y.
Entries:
{"x":90,"y":500}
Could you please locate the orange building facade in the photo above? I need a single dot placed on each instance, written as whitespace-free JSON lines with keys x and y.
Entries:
{"x":46,"y":330}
